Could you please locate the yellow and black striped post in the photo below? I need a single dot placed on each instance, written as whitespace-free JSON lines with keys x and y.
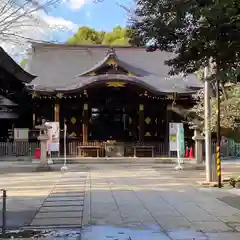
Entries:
{"x":218,"y":159}
{"x":219,"y":173}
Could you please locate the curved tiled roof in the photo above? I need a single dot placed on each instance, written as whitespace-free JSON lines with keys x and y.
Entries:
{"x":65,"y":68}
{"x":124,"y":65}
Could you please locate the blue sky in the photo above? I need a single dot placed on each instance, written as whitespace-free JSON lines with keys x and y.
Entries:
{"x":103,"y":15}
{"x":63,"y":20}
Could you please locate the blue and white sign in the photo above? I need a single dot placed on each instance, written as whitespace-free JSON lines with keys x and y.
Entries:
{"x":176,"y":137}
{"x":176,"y":141}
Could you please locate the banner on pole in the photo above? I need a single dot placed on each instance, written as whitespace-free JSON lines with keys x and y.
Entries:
{"x":173,"y":128}
{"x":53,"y":134}
{"x":181,"y":140}
{"x":176,"y":138}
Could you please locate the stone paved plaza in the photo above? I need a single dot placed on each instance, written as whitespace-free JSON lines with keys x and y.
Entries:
{"x":120,"y":199}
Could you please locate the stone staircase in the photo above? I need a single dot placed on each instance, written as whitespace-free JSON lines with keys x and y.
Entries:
{"x":63,"y":208}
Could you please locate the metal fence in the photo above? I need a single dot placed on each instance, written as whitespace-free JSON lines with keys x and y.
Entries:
{"x":18,"y":148}
{"x":27,"y":148}
{"x":228,"y":150}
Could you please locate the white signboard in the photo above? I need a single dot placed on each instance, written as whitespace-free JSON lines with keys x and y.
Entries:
{"x":176,"y":141}
{"x":176,"y":137}
{"x":21,"y":134}
{"x":173,"y":130}
{"x":53,"y":134}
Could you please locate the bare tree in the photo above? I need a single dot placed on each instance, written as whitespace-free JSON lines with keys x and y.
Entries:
{"x":22,"y":21}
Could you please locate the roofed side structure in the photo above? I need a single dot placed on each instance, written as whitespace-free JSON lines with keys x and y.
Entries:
{"x":13,"y":79}
{"x":5,"y":102}
{"x":62,"y":68}
{"x":8,"y":64}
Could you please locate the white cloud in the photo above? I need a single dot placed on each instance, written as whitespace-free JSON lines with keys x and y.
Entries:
{"x":59,"y":22}
{"x":76,"y":4}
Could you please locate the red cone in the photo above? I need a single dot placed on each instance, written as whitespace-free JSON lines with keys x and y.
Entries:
{"x":187,"y":152}
{"x":37,"y":153}
{"x":191,"y":153}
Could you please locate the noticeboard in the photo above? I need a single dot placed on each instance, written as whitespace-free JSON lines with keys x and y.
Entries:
{"x":21,"y":134}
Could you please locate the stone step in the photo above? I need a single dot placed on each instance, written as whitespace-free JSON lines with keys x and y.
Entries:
{"x":50,"y":227}
{"x":61,"y":208}
{"x":56,"y":221}
{"x":65,"y":214}
{"x":67,"y":194}
{"x":62,"y":198}
{"x":62,"y":203}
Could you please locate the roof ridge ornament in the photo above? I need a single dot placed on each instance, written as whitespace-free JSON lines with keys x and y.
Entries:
{"x":111,"y":51}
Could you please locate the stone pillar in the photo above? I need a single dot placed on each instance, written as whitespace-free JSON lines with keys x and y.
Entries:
{"x":199,"y":139}
{"x":85,"y":123}
{"x":141,"y":122}
{"x":43,"y":138}
{"x":214,"y":168}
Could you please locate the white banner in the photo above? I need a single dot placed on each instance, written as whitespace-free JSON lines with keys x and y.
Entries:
{"x":53,"y":134}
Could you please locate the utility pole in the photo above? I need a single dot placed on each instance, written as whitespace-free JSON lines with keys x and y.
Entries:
{"x":207,"y":126}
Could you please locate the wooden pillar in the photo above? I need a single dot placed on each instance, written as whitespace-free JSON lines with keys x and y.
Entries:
{"x":61,"y":117}
{"x":134,"y":125}
{"x":56,"y":112}
{"x":85,"y":123}
{"x":141,"y":122}
{"x":168,"y":118}
{"x":34,"y":110}
{"x":33,"y":119}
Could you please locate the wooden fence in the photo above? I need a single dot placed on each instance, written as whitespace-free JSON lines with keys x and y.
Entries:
{"x":26,"y":149}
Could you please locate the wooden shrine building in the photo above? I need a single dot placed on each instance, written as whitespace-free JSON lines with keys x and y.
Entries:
{"x":15,"y":102}
{"x":118,"y":94}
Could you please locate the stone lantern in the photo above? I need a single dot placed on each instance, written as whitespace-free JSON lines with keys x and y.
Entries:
{"x":199,"y":140}
{"x":43,"y":138}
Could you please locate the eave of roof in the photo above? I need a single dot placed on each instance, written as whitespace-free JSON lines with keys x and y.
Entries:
{"x":8,"y":115}
{"x":81,"y":46}
{"x":83,"y":82}
{"x":7,"y":63}
{"x":6,"y":102}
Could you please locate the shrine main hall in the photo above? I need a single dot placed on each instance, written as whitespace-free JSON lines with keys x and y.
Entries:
{"x":108,"y":94}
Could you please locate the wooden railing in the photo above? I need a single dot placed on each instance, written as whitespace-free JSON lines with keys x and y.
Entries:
{"x":159,"y":148}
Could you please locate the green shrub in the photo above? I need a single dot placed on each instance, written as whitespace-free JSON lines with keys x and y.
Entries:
{"x":233,"y":181}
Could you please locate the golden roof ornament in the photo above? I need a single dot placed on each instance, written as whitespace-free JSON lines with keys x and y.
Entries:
{"x":115,"y":84}
{"x":111,"y":62}
{"x":130,"y":74}
{"x":92,"y":74}
{"x":59,"y":95}
{"x":35,"y":94}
